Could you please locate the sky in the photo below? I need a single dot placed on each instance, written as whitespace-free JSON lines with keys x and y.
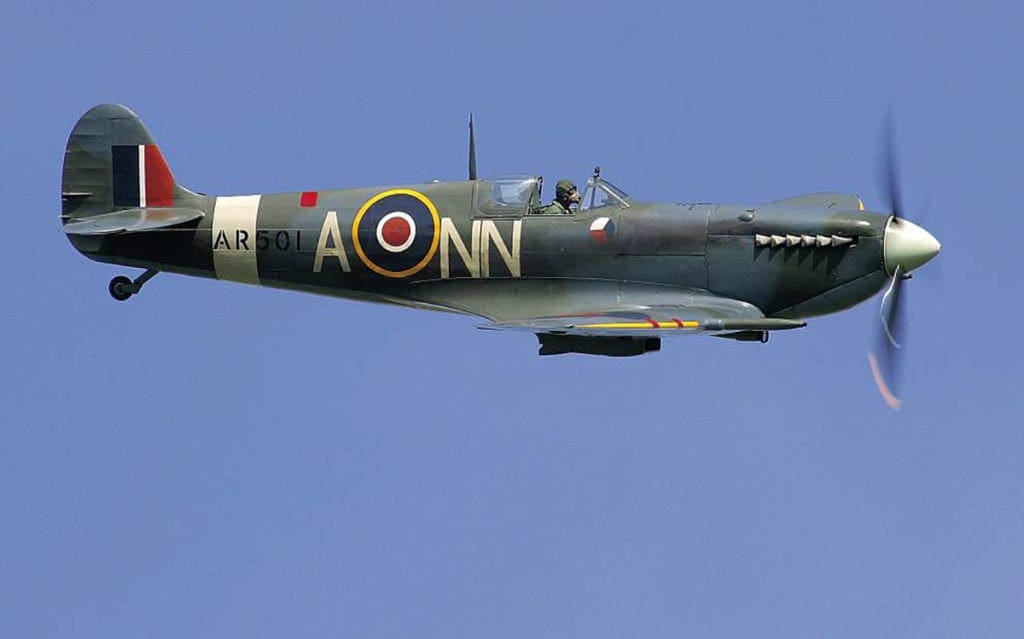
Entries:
{"x":211,"y":459}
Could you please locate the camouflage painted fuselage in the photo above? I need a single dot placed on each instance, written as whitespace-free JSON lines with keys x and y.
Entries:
{"x":433,"y":245}
{"x":507,"y":267}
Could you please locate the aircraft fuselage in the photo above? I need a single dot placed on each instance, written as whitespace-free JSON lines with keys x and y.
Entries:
{"x":343,"y":243}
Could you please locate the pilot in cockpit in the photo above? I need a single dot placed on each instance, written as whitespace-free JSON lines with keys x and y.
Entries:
{"x":566,"y":195}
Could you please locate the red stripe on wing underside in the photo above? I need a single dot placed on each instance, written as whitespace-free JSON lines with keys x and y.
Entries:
{"x":159,"y":181}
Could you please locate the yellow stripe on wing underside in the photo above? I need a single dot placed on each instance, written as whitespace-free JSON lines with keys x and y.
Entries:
{"x":651,"y":325}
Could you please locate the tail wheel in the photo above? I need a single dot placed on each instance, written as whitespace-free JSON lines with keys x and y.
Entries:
{"x":120,"y":288}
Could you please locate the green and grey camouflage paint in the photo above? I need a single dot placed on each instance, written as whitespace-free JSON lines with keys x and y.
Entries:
{"x":731,"y":270}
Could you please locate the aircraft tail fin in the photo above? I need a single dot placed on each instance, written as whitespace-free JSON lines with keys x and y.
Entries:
{"x":111,"y":163}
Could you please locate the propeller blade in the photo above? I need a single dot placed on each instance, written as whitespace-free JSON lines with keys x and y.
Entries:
{"x":885,"y":358}
{"x":889,"y":170}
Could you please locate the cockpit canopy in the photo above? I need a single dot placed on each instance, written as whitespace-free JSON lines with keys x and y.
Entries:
{"x":508,"y":195}
{"x":517,"y":195}
{"x":600,"y":192}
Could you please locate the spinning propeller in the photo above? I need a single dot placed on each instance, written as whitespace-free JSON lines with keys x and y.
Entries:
{"x":905,"y":247}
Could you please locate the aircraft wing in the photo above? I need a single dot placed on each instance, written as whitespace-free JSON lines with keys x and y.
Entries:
{"x":716,"y":315}
{"x":637,"y":330}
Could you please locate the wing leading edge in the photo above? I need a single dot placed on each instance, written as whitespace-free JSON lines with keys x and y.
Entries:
{"x":638,"y":330}
{"x":658,"y":322}
{"x":653,"y":321}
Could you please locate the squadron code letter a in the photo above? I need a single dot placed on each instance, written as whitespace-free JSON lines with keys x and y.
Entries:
{"x":330,"y":230}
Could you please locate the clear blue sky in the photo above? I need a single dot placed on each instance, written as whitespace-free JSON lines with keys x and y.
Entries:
{"x":213,"y":460}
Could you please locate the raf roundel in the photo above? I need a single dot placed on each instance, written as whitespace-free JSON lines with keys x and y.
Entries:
{"x":396,"y":232}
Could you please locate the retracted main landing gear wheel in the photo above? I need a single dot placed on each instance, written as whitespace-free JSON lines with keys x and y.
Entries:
{"x":121,"y":288}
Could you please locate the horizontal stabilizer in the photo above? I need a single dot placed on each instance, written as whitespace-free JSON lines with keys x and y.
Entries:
{"x":131,"y":221}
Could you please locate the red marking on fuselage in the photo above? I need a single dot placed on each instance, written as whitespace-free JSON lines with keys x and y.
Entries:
{"x":159,"y":181}
{"x":396,"y":231}
{"x":308,"y":199}
{"x":653,"y":323}
{"x":678,"y":323}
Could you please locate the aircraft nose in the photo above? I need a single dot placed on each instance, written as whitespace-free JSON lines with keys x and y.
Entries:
{"x":907,"y":245}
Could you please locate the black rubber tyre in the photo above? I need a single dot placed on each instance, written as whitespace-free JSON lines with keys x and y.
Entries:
{"x":119,"y":288}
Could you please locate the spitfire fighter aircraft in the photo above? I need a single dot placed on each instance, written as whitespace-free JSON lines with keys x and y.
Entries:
{"x":612,"y":277}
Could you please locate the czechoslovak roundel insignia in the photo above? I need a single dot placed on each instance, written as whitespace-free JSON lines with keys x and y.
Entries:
{"x":396,"y":232}
{"x":602,"y":229}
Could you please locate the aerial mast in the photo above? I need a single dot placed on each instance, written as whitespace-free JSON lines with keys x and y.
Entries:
{"x":472,"y":150}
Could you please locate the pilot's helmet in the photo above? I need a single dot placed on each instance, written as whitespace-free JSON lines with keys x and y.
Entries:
{"x":564,"y":189}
